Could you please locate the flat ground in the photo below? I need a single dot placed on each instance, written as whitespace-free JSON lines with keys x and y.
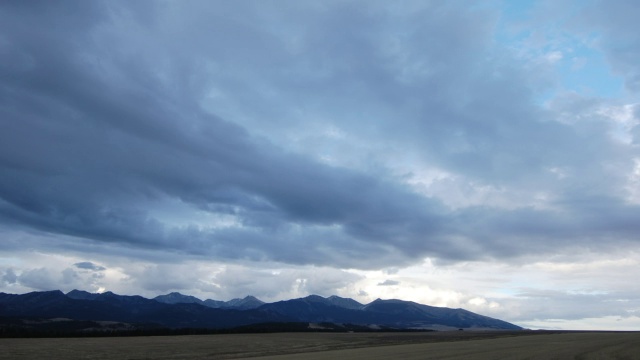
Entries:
{"x":440,"y":345}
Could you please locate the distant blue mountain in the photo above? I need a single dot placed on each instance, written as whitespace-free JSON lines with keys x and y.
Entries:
{"x":411,"y":314}
{"x":246,"y":303}
{"x":393,"y":313}
{"x":177,"y":298}
{"x":182,"y":311}
{"x":82,"y":295}
{"x":344,"y":302}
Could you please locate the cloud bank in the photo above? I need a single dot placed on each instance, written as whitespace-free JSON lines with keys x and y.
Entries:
{"x":342,"y":135}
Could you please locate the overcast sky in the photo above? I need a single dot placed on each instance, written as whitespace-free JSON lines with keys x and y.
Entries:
{"x":475,"y":154}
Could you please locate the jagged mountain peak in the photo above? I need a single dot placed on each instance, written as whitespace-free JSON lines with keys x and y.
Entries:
{"x":177,"y":298}
{"x":78,"y":292}
{"x":248,"y":302}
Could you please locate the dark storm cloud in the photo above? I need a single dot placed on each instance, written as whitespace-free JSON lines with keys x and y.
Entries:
{"x":107,"y":117}
{"x":81,"y":150}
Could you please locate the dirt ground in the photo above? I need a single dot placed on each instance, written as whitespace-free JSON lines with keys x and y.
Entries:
{"x":439,"y":345}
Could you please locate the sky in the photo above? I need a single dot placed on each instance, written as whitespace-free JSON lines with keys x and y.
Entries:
{"x":471,"y":154}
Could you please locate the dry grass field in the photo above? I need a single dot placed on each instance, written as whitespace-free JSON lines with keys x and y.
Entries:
{"x":440,"y":345}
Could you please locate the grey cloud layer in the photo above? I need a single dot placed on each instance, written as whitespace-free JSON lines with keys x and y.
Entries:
{"x":110,"y":110}
{"x":88,"y":265}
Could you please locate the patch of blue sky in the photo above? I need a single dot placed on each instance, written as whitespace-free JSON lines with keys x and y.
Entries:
{"x":533,"y":30}
{"x":586,"y":71}
{"x":511,"y":26}
{"x":518,"y":9}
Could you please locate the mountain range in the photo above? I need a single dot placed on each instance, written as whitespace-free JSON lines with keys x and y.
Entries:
{"x":176,"y":310}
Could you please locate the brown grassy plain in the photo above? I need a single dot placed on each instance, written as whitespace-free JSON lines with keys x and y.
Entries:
{"x":312,"y":346}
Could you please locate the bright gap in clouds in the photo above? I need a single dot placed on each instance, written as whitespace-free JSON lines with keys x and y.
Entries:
{"x":482,"y":157}
{"x":586,"y":71}
{"x":575,"y":58}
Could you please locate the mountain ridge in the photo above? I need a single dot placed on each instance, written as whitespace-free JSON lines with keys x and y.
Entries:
{"x":176,"y":310}
{"x":246,"y":303}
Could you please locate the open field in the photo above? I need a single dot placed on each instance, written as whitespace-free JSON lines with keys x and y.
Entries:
{"x":437,"y":345}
